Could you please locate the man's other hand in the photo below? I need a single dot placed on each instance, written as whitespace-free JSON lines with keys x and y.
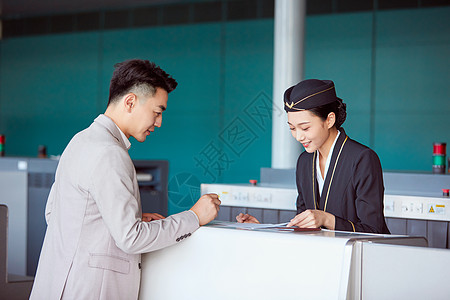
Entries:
{"x":147,"y":217}
{"x":246,"y":218}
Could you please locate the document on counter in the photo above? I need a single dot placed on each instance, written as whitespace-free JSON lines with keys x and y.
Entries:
{"x":253,"y":226}
{"x":248,"y":225}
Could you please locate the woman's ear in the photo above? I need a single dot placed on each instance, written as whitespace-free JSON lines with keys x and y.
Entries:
{"x":331,"y":120}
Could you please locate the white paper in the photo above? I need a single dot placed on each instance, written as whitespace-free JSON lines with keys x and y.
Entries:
{"x":248,"y":225}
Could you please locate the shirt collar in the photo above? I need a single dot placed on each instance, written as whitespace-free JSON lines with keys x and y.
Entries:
{"x":124,"y":138}
{"x":113,"y":129}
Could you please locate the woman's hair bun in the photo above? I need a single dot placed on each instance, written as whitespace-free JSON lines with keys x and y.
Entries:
{"x":341,"y":113}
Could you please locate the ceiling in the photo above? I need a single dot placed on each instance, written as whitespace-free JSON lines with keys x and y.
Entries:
{"x":22,"y":8}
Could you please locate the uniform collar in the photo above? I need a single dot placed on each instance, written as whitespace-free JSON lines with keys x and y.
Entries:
{"x":320,"y":200}
{"x":112,"y":127}
{"x":321,"y":180}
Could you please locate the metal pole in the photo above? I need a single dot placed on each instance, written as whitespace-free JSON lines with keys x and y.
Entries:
{"x":289,"y":32}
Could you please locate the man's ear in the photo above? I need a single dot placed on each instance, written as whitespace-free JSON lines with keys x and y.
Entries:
{"x":331,"y":119}
{"x":129,"y":101}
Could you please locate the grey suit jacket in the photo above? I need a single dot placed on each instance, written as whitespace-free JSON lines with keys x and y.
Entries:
{"x":95,"y":233}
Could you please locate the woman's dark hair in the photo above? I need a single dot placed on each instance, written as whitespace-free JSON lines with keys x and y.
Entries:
{"x":138,"y":73}
{"x":339,"y":108}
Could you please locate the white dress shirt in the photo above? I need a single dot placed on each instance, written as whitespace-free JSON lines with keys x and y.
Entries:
{"x":320,"y":179}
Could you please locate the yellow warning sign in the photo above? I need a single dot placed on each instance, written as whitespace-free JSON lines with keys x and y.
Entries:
{"x":440,"y":209}
{"x":431,"y":209}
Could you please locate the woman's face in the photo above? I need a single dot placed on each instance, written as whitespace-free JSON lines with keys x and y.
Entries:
{"x":310,"y":130}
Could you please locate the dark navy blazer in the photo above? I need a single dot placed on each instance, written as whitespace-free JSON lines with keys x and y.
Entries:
{"x":355,"y":195}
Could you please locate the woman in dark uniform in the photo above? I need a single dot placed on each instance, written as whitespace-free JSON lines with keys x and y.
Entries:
{"x":339,"y":181}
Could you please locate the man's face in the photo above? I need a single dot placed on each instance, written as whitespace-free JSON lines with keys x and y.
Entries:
{"x":146,"y":114}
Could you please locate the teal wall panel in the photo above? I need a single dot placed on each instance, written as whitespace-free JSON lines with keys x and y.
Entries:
{"x":339,"y":48}
{"x":247,"y":114}
{"x":412,"y":87}
{"x":391,"y":68}
{"x":48,"y":90}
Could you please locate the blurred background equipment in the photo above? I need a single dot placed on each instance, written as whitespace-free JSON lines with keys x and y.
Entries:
{"x":25,"y":184}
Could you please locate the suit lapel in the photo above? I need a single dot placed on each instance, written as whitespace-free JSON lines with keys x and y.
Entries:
{"x":111,"y":127}
{"x":333,"y":165}
{"x":315,"y":185}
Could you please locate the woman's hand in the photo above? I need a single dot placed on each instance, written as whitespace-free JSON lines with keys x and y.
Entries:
{"x":312,"y":218}
{"x":241,"y":218}
{"x":147,"y":217}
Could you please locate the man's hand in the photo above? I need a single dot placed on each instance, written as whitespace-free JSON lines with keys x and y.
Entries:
{"x":312,"y":218}
{"x":147,"y":217}
{"x":241,"y":218}
{"x":206,"y":208}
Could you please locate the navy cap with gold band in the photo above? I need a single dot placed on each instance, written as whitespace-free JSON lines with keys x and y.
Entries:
{"x":309,"y":94}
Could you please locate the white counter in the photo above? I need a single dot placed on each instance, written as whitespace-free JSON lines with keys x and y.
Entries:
{"x":223,"y":263}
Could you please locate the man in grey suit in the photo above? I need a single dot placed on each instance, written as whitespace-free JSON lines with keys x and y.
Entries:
{"x":96,"y":230}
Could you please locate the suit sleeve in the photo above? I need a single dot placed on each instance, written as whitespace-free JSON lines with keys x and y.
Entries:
{"x":369,"y":190}
{"x":112,"y":189}
{"x":49,"y":204}
{"x":300,"y":203}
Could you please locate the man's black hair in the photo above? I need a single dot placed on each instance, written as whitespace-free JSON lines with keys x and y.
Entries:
{"x":135,"y":73}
